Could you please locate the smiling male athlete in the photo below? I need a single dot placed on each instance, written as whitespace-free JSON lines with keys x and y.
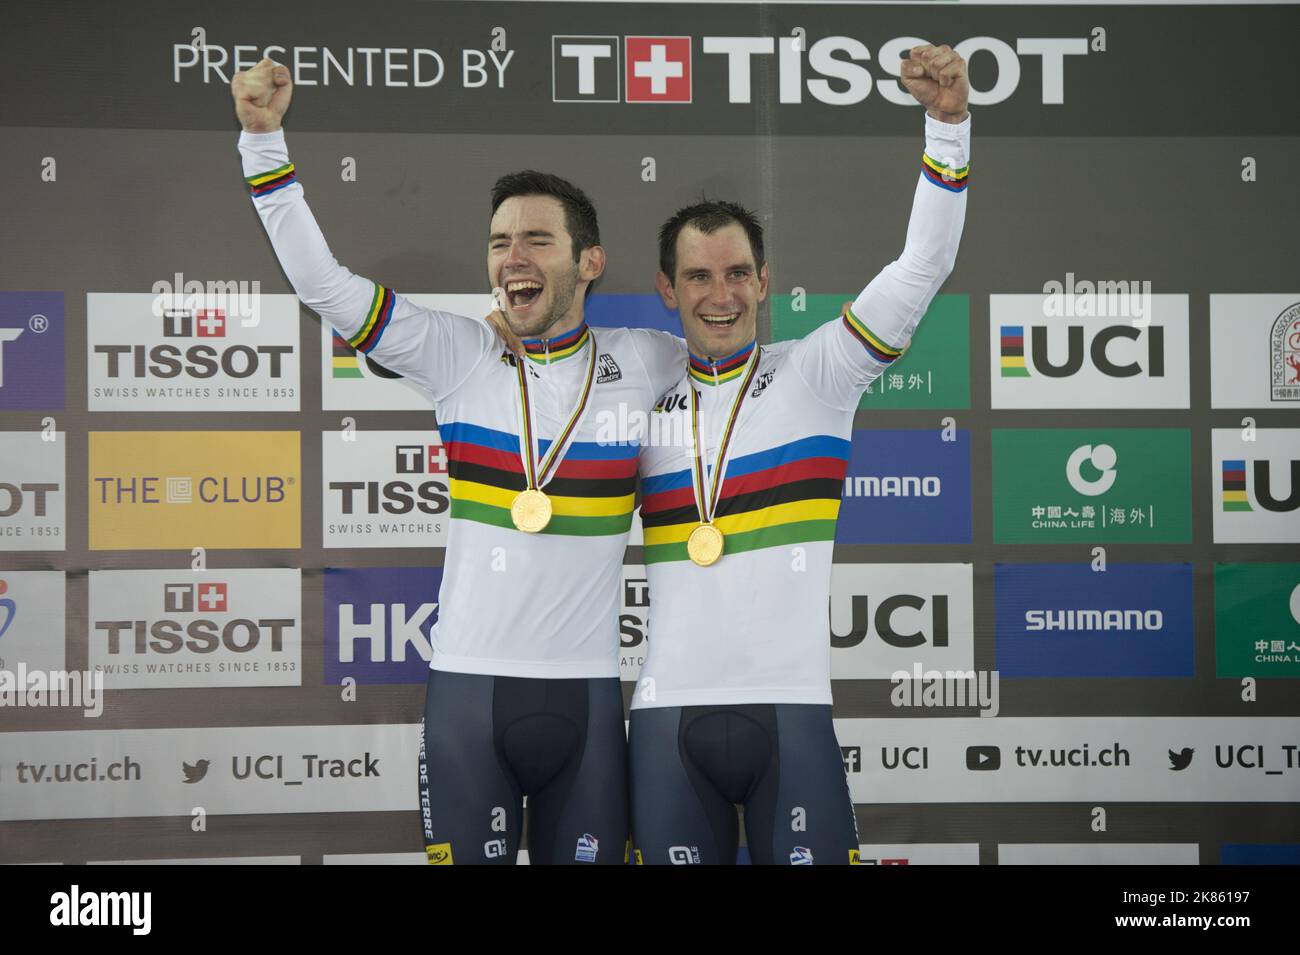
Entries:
{"x":523,"y":694}
{"x":734,"y":701}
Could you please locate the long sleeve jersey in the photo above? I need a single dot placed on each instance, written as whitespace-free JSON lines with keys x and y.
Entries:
{"x":511,"y":604}
{"x":752,"y":628}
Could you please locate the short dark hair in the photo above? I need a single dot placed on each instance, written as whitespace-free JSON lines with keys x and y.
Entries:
{"x":579,"y":213}
{"x":708,"y":215}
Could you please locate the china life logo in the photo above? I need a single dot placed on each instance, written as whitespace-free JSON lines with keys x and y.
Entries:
{"x":1088,"y":484}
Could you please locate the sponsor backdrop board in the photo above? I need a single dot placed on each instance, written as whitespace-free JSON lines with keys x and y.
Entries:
{"x":1070,"y":511}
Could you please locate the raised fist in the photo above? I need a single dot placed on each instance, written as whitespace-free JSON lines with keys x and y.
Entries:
{"x":261,"y":96}
{"x":936,"y":76}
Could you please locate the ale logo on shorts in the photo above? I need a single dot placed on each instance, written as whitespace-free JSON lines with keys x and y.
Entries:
{"x":159,"y":490}
{"x":143,"y":356}
{"x":1091,"y":484}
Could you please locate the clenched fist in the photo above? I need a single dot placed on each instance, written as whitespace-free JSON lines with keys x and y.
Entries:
{"x":261,"y":96}
{"x":936,"y":76}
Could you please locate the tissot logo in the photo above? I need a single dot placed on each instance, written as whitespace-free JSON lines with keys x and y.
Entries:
{"x":32,"y":472}
{"x":633,"y":622}
{"x":228,"y":628}
{"x":196,"y":358}
{"x":832,"y":70}
{"x":384,"y":489}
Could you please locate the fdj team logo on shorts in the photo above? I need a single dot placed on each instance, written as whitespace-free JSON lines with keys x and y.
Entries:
{"x":32,"y":486}
{"x":1256,"y":485}
{"x":934,"y":372}
{"x":379,"y":623}
{"x":31,"y":350}
{"x":142,"y":356}
{"x":1091,"y":485}
{"x":185,"y":489}
{"x":1257,"y":620}
{"x":150,"y":630}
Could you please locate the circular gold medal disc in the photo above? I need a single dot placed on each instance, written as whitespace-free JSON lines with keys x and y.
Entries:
{"x":704,"y":546}
{"x":531,"y":511}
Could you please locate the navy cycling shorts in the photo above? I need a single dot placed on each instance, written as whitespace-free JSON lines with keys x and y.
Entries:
{"x":691,"y":766}
{"x":488,"y":741}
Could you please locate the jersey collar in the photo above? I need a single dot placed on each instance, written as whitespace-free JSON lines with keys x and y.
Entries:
{"x":719,"y":371}
{"x":549,"y":350}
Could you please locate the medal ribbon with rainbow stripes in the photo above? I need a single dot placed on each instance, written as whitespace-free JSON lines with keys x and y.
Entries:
{"x":531,"y":508}
{"x":705,"y":544}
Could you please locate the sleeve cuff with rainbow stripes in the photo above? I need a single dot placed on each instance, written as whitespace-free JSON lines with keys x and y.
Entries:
{"x":877,"y":349}
{"x":377,"y":318}
{"x":943,"y":175}
{"x":265,"y":183}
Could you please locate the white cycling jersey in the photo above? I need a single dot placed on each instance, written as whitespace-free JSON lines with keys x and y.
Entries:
{"x":511,"y":604}
{"x":752,"y":628}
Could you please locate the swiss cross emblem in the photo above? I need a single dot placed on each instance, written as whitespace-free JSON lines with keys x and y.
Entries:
{"x":657,"y":69}
{"x":211,"y":323}
{"x":212,"y":598}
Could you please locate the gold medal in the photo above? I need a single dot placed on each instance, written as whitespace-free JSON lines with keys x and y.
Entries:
{"x":531,"y":511}
{"x":704,"y":546}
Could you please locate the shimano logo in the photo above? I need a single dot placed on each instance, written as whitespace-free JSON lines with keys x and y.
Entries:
{"x":1047,"y":620}
{"x":892,"y":486}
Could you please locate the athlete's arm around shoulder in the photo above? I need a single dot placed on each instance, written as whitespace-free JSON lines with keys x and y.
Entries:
{"x":841,"y":358}
{"x":436,"y":350}
{"x":663,"y":355}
